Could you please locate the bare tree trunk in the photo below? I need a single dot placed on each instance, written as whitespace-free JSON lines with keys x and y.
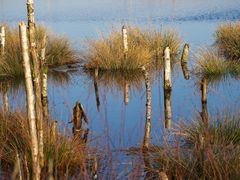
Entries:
{"x":126,"y":93}
{"x":44,"y":79}
{"x":30,"y":99}
{"x":36,"y":75}
{"x":167,"y":88}
{"x":125,"y":41}
{"x":2,"y":40}
{"x":5,"y":98}
{"x":147,"y":133}
{"x":204,"y":112}
{"x":96,"y":89}
{"x":17,"y":168}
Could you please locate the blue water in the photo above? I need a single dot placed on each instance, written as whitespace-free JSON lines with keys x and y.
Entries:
{"x":117,"y":125}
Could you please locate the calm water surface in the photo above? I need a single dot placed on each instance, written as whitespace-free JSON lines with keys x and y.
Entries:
{"x":119,"y":126}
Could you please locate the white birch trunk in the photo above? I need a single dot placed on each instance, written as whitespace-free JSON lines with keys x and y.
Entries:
{"x":167,"y":69}
{"x":125,"y":40}
{"x":30,"y":99}
{"x":147,"y":133}
{"x":2,"y":39}
{"x":167,"y":88}
{"x":5,"y":101}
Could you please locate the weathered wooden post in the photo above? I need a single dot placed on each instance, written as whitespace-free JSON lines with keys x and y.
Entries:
{"x":126,"y":92}
{"x":78,"y":114}
{"x":2,"y":39}
{"x":125,"y":41}
{"x":30,"y":100}
{"x":36,"y":75}
{"x":96,"y":89}
{"x":204,"y":113}
{"x":147,"y":133}
{"x":184,"y":60}
{"x":167,"y":88}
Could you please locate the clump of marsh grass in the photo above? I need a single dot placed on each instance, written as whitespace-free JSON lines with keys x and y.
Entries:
{"x":58,"y":52}
{"x":69,"y":155}
{"x":197,"y":150}
{"x":143,"y":47}
{"x":228,"y":40}
{"x":212,"y":65}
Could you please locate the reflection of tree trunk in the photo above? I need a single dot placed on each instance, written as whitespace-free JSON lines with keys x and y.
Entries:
{"x":204,"y":113}
{"x":96,"y":89}
{"x":30,"y":100}
{"x":185,"y":71}
{"x":168,"y":108}
{"x":167,"y":88}
{"x":126,"y":93}
{"x":147,"y":166}
{"x":147,"y":133}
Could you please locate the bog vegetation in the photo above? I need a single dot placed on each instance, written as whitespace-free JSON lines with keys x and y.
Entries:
{"x":58,"y":52}
{"x":144,"y":48}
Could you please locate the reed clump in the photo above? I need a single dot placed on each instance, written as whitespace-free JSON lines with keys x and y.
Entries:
{"x":197,"y":150}
{"x":144,"y":46}
{"x":228,"y":40}
{"x":58,"y":52}
{"x":69,"y":156}
{"x":210,"y":64}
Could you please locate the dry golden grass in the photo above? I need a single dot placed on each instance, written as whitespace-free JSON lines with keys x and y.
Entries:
{"x":58,"y":52}
{"x":143,"y":48}
{"x":228,"y":40}
{"x":70,"y":155}
{"x":212,"y":65}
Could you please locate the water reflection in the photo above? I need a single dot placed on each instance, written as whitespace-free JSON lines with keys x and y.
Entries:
{"x":204,"y":113}
{"x":95,"y":79}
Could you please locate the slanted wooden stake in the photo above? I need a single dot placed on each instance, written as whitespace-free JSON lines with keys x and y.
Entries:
{"x":2,"y":39}
{"x":30,"y":100}
{"x":147,"y":133}
{"x":78,"y":114}
{"x":125,"y":41}
{"x":184,"y":60}
{"x":126,"y":93}
{"x":167,"y":88}
{"x":96,"y":89}
{"x":204,"y":113}
{"x":36,"y":75}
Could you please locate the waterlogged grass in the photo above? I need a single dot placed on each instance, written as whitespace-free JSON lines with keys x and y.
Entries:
{"x":144,"y":47}
{"x":228,"y":40}
{"x":197,"y":150}
{"x":212,"y":65}
{"x":58,"y":52}
{"x":71,"y":157}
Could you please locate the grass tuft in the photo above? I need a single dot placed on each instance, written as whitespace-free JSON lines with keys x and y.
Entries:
{"x":228,"y":40}
{"x":58,"y":52}
{"x":143,"y":47}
